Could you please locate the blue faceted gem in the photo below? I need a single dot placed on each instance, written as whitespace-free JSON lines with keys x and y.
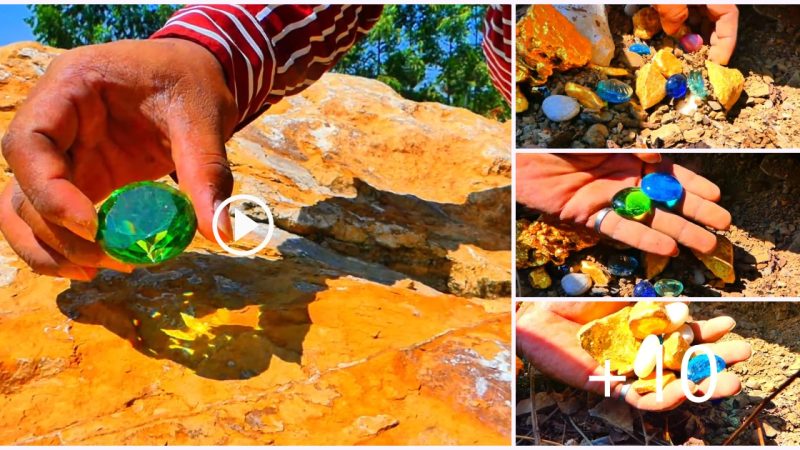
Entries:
{"x":696,"y":84}
{"x":676,"y":86}
{"x":644,"y":289}
{"x":639,"y":48}
{"x":614,"y":91}
{"x":662,"y":187}
{"x":623,"y":265}
{"x":699,"y":367}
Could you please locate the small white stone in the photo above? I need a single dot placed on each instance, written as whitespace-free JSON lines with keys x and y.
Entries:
{"x":698,"y":278}
{"x":645,"y":360}
{"x":688,"y":106}
{"x":677,"y":312}
{"x":575,"y":284}
{"x":686,"y":333}
{"x":560,"y":108}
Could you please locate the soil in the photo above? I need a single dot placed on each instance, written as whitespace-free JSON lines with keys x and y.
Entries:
{"x":760,"y":191}
{"x":766,"y":115}
{"x":771,"y":328}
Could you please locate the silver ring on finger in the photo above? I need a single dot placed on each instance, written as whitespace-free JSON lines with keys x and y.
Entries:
{"x":624,"y":391}
{"x":598,"y":220}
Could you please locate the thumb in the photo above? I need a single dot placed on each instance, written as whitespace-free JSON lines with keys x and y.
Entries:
{"x":672,"y":17}
{"x":650,"y":158}
{"x":198,"y":150}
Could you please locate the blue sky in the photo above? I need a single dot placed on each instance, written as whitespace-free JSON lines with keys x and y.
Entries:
{"x":12,"y":28}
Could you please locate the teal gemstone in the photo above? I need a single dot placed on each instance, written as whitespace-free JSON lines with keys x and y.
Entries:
{"x":614,"y":91}
{"x":668,"y":287}
{"x":146,"y":223}
{"x":696,"y":84}
{"x":631,"y":203}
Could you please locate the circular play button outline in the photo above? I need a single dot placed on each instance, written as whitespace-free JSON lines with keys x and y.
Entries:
{"x":243,"y":197}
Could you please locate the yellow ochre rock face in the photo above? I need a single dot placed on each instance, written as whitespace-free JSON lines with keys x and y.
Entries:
{"x":674,"y":349}
{"x":726,"y":83}
{"x":667,"y":63}
{"x":547,"y":41}
{"x":650,"y":86}
{"x":647,"y":384}
{"x":654,"y":264}
{"x":585,"y":96}
{"x":646,"y":23}
{"x":522,"y":102}
{"x":610,"y":338}
{"x":648,"y":318}
{"x":540,"y":279}
{"x":548,"y":239}
{"x":720,"y":261}
{"x":596,"y":272}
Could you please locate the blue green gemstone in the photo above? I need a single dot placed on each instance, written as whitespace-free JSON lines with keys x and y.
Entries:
{"x":639,"y":48}
{"x":614,"y":91}
{"x":631,"y":203}
{"x":668,"y":287}
{"x":662,"y":187}
{"x":696,"y":84}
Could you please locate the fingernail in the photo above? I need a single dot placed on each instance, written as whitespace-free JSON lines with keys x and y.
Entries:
{"x":733,"y":325}
{"x":78,"y":273}
{"x":224,"y":222}
{"x":87,"y":231}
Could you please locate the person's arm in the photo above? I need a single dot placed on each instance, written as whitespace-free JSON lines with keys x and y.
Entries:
{"x":270,"y":51}
{"x":497,"y":47}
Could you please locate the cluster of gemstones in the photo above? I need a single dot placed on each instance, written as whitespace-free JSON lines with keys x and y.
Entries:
{"x":657,"y":189}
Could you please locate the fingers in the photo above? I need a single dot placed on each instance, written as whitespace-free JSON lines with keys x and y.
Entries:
{"x":650,"y":158}
{"x":673,"y":397}
{"x":712,"y":330}
{"x":684,"y":231}
{"x":723,"y":39}
{"x":690,"y":181}
{"x":704,"y":212}
{"x":727,"y":384}
{"x":637,"y":235}
{"x":672,"y":17}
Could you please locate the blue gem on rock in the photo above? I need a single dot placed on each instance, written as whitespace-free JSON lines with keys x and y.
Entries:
{"x":614,"y":91}
{"x":696,"y":84}
{"x":662,"y":187}
{"x":676,"y":86}
{"x":623,"y":265}
{"x":699,"y":367}
{"x":639,"y":48}
{"x":644,"y":289}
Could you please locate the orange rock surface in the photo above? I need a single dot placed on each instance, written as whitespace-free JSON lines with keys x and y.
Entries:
{"x":547,"y":41}
{"x":353,"y":339}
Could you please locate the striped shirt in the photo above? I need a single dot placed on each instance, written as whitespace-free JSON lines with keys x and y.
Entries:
{"x":271,"y":51}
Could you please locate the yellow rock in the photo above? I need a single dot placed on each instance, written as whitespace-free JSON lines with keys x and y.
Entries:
{"x":584,"y":95}
{"x":540,"y":279}
{"x":550,"y":239}
{"x":654,"y":264}
{"x":720,"y":261}
{"x":726,"y":83}
{"x":596,"y":272}
{"x":521,"y":101}
{"x":610,"y":338}
{"x":650,"y":86}
{"x":647,"y":384}
{"x":674,"y":349}
{"x":521,"y":73}
{"x":667,"y":63}
{"x":610,"y":71}
{"x":646,"y":23}
{"x":648,"y":318}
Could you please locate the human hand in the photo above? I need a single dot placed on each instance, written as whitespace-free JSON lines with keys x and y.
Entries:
{"x":104,"y":116}
{"x":547,"y":337}
{"x":576,"y":187}
{"x":720,"y":22}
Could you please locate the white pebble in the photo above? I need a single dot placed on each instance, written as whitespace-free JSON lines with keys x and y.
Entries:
{"x":677,"y":313}
{"x":686,"y":333}
{"x":688,"y":106}
{"x":560,"y":108}
{"x":698,"y":278}
{"x":645,"y":360}
{"x":575,"y":284}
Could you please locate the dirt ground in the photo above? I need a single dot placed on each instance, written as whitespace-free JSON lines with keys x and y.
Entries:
{"x":766,"y":115}
{"x":760,"y":191}
{"x":771,"y":328}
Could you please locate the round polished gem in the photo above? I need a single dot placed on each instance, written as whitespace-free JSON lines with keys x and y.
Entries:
{"x":676,"y":86}
{"x":146,"y":223}
{"x":623,"y":265}
{"x":696,"y":84}
{"x":631,"y":203}
{"x":662,"y":187}
{"x":699,"y":367}
{"x":668,"y":287}
{"x":639,"y":48}
{"x":614,"y":91}
{"x":691,"y":42}
{"x":644,"y":289}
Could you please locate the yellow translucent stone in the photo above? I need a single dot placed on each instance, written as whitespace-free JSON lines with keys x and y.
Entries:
{"x":720,"y":261}
{"x":647,"y":384}
{"x":522,"y":73}
{"x":521,"y":101}
{"x":667,"y":63}
{"x":650,"y":86}
{"x":674,"y":349}
{"x":596,"y":272}
{"x":654,"y":264}
{"x":610,"y":338}
{"x":610,"y":71}
{"x":584,"y":95}
{"x":540,"y":279}
{"x":726,"y":83}
{"x":646,"y":23}
{"x":648,"y":318}
{"x":548,"y":239}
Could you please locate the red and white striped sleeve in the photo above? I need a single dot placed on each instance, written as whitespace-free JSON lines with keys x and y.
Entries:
{"x":271,"y":51}
{"x":497,"y":47}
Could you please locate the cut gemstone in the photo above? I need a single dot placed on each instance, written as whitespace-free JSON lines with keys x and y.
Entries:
{"x":631,"y":203}
{"x":644,"y":289}
{"x":639,"y":48}
{"x":676,"y":86}
{"x":696,"y":84}
{"x":623,"y":265}
{"x":146,"y":223}
{"x":662,"y":187}
{"x":668,"y":287}
{"x":614,"y":91}
{"x":699,"y":367}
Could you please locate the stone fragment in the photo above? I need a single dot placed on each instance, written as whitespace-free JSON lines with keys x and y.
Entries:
{"x":674,"y":349}
{"x":623,"y":265}
{"x":610,"y":71}
{"x":648,"y":318}
{"x":592,"y":23}
{"x":548,"y":239}
{"x":646,"y":23}
{"x":584,"y":96}
{"x":688,"y":107}
{"x":691,"y":42}
{"x":644,"y":289}
{"x":678,"y":314}
{"x":650,"y":86}
{"x":614,"y":91}
{"x":595,"y":136}
{"x":647,"y":385}
{"x":596,"y":116}
{"x":668,"y":287}
{"x":610,"y":338}
{"x":720,"y":261}
{"x":666,"y":63}
{"x":639,"y":48}
{"x":686,"y":333}
{"x":560,"y":108}
{"x":521,"y":102}
{"x":654,"y":264}
{"x":696,"y":84}
{"x":676,"y":86}
{"x":662,"y":187}
{"x":757,"y":88}
{"x":547,"y":41}
{"x":699,"y":367}
{"x":539,"y":278}
{"x":596,"y":272}
{"x":631,"y":59}
{"x":575,"y":284}
{"x":669,"y":135}
{"x":727,"y":84}
{"x":631,"y":203}
{"x":646,"y":357}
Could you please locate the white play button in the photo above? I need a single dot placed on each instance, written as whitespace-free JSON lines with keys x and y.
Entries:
{"x":244,"y":225}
